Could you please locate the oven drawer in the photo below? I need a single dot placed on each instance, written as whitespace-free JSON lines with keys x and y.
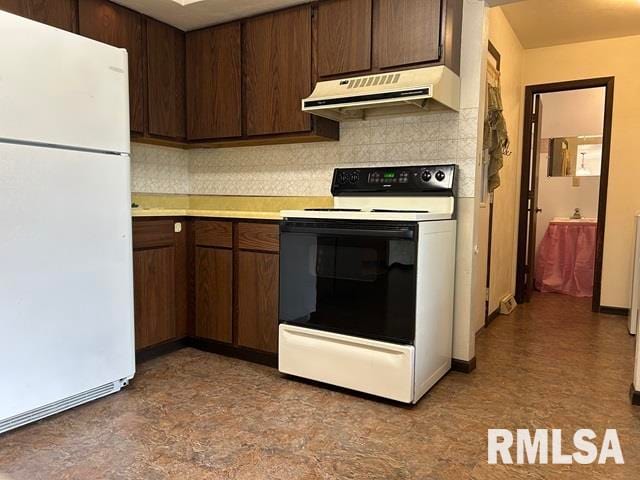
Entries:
{"x":379,"y":368}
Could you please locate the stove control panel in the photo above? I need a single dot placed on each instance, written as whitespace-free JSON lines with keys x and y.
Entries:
{"x":427,"y":180}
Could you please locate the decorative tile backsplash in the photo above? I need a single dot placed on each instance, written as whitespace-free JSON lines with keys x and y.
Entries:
{"x":306,"y":169}
{"x":159,"y":169}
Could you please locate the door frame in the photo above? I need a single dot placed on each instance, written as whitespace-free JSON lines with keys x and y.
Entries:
{"x":530,"y":92}
{"x":490,"y":316}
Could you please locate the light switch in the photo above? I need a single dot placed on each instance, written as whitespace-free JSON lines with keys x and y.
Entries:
{"x":177,"y":227}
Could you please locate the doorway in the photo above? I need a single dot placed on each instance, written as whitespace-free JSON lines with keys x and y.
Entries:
{"x":553,"y":152}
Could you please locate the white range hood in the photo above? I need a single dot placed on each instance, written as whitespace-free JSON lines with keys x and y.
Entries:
{"x":393,"y":93}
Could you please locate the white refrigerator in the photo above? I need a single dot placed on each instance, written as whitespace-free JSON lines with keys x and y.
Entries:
{"x":66,"y":287}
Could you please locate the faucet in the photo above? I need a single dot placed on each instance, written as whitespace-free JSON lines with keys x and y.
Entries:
{"x":576,"y":214}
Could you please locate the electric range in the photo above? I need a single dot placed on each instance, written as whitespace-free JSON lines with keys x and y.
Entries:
{"x":366,"y":287}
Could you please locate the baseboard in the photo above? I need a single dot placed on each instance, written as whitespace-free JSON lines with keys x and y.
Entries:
{"x":492,"y":316}
{"x":621,"y":311}
{"x":255,"y":356}
{"x":154,"y":351}
{"x":635,"y":395}
{"x":463,"y":366}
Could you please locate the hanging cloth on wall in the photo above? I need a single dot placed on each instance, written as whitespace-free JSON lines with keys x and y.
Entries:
{"x":496,"y":138}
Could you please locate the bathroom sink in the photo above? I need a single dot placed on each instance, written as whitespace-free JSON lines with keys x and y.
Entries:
{"x":571,"y":220}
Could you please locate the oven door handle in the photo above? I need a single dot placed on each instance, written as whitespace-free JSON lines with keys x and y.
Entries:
{"x":401,"y":232}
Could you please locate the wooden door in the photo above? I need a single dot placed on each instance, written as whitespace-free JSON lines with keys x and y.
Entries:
{"x":165,"y":80}
{"x":406,"y":32}
{"x":277,"y":65}
{"x":214,"y":287}
{"x":214,"y":83}
{"x":107,"y":22}
{"x":344,"y":36}
{"x":154,"y":295}
{"x":57,"y":13}
{"x":257,"y":321}
{"x":533,"y":209}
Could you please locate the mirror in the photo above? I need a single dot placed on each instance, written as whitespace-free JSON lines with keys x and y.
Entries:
{"x":575,"y":156}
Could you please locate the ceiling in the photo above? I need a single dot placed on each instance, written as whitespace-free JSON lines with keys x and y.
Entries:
{"x":198,"y":14}
{"x":543,"y":23}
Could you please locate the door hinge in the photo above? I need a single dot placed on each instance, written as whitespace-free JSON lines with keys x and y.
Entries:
{"x":530,"y":194}
{"x":440,"y":51}
{"x":533,"y":118}
{"x":486,"y":295}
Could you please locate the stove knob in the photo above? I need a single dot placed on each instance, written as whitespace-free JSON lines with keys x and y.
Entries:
{"x":440,"y":175}
{"x":426,"y":175}
{"x":354,"y":177}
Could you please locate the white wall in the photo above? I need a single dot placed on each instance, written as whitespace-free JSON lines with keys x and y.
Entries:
{"x":505,"y":204}
{"x":573,"y":113}
{"x":617,"y":57}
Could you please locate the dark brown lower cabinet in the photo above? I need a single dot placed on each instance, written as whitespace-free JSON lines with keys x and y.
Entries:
{"x":159,"y":281}
{"x":215,"y":281}
{"x":214,"y":293}
{"x":258,"y":300}
{"x":154,"y":287}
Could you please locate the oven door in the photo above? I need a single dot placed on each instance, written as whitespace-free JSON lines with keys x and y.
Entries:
{"x":353,"y":278}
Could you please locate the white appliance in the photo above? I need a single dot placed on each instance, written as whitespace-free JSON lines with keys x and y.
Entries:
{"x":634,"y":311}
{"x":66,"y":287}
{"x":366,"y":288}
{"x":392,"y":93}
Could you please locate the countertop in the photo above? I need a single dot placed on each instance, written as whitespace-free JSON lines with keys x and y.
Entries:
{"x":173,"y":212}
{"x":217,"y":206}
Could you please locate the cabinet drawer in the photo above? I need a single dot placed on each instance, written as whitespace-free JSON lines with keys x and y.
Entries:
{"x":259,"y":236}
{"x":212,"y":233}
{"x":153,"y":233}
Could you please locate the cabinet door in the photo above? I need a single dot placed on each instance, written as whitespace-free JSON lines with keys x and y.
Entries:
{"x":107,"y":22}
{"x":406,"y":32}
{"x":214,"y":286}
{"x":154,"y":295}
{"x":214,"y":83}
{"x":344,"y":36}
{"x":165,"y":79}
{"x":258,"y":300}
{"x":57,"y":13}
{"x":277,"y":66}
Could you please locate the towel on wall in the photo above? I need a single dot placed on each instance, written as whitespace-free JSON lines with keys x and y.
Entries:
{"x":496,"y":138}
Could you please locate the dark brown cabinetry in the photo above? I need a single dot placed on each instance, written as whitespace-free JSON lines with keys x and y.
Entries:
{"x":406,"y":32}
{"x":154,"y":285}
{"x":344,"y":36}
{"x":214,"y":83}
{"x":258,"y":300}
{"x":360,"y":37}
{"x":277,"y":67}
{"x":213,"y":280}
{"x":107,"y":22}
{"x":159,"y":275}
{"x":165,"y":80}
{"x":57,"y":13}
{"x":258,"y":275}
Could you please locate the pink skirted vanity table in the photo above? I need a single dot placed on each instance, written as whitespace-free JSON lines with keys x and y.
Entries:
{"x":566,"y":257}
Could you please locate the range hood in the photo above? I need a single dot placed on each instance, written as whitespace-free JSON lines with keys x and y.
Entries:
{"x":393,"y":93}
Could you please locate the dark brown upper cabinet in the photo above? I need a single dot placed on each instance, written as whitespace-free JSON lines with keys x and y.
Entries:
{"x":214,"y":83}
{"x":406,"y":32}
{"x":165,"y":80}
{"x":107,"y":22}
{"x":277,"y":65}
{"x":344,"y":36}
{"x":57,"y":13}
